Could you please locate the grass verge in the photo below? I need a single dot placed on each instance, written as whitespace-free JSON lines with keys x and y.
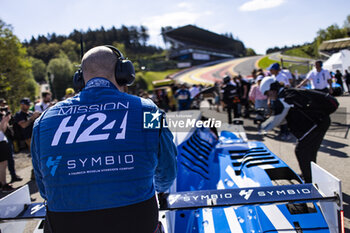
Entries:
{"x":150,"y":76}
{"x":266,"y":62}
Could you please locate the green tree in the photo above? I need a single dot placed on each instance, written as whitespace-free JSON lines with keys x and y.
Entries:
{"x":125,"y":36}
{"x":335,"y":32}
{"x":46,"y":52}
{"x":71,"y":48}
{"x":144,"y":36}
{"x":163,"y":31}
{"x":330,"y":33}
{"x":120,"y":47}
{"x":250,"y":52}
{"x":347,"y":25}
{"x":38,"y":69}
{"x":16,"y":78}
{"x":62,"y":71}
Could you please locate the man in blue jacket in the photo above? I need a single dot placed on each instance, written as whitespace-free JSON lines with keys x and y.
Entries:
{"x":96,"y":164}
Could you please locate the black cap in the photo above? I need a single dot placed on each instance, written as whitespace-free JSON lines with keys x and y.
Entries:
{"x":25,"y":101}
{"x":226,"y":79}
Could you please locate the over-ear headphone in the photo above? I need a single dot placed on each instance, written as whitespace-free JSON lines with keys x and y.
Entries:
{"x":124,"y":72}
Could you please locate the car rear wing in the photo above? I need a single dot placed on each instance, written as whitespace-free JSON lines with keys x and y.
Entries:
{"x":299,"y":193}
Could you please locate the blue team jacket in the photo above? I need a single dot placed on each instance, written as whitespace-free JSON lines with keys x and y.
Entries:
{"x":93,"y":152}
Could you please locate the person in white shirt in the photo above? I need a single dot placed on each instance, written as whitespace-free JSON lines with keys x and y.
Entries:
{"x":289,"y":75}
{"x":44,"y":103}
{"x":194,"y":90}
{"x":5,"y":151}
{"x":281,"y":77}
{"x":320,"y":79}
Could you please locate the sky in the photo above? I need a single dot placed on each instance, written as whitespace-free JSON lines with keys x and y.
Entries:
{"x":259,"y":24}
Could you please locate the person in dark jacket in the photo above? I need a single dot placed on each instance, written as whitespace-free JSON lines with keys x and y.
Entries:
{"x":309,"y":127}
{"x":230,"y":98}
{"x":25,"y":120}
{"x":243,"y":91}
{"x":339,"y":79}
{"x":347,"y":79}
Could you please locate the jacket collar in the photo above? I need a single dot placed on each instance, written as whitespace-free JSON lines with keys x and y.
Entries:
{"x":100,"y":82}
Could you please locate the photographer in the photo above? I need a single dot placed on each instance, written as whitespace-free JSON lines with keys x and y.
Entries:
{"x":25,"y":120}
{"x":9,"y":133}
{"x":5,"y":150}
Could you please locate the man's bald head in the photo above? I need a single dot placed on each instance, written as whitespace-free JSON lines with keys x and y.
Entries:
{"x":99,"y":62}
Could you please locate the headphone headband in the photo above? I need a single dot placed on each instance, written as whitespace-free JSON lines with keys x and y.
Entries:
{"x":116,"y":51}
{"x":124,"y":71}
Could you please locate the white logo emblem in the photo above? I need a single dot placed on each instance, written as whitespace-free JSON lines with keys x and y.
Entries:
{"x":245,"y":193}
{"x":173,"y":198}
{"x":151,"y":120}
{"x":36,"y":208}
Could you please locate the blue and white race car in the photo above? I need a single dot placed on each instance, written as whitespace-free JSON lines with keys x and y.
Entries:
{"x":226,"y":183}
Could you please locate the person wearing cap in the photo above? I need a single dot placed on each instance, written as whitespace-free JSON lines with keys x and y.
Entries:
{"x":308,"y":126}
{"x":69,"y":93}
{"x":230,"y":98}
{"x":281,"y":77}
{"x":3,"y":102}
{"x":25,"y":120}
{"x":320,"y":79}
{"x":97,"y":163}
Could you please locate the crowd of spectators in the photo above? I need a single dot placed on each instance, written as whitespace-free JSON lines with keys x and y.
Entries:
{"x":240,"y":96}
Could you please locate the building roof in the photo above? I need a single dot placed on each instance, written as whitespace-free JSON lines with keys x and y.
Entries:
{"x":337,"y":44}
{"x":191,"y":35}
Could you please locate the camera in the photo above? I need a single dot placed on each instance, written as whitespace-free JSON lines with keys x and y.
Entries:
{"x":4,"y":111}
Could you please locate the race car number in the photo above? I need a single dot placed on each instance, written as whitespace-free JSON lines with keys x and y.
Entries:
{"x":87,"y":135}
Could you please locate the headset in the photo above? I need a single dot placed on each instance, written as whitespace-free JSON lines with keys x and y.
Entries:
{"x":124,"y":72}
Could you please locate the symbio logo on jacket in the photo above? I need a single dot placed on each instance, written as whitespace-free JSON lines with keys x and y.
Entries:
{"x":53,"y":164}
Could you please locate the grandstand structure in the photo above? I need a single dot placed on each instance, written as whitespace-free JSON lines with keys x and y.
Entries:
{"x":191,"y":45}
{"x":333,"y":46}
